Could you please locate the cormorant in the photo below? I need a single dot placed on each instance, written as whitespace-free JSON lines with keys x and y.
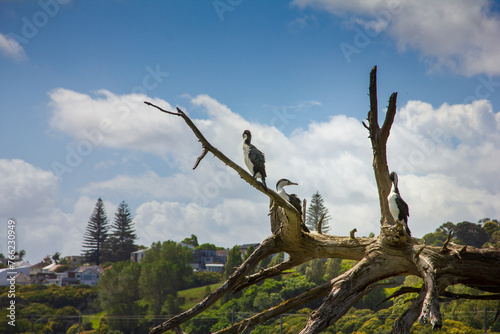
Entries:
{"x":254,"y":159}
{"x":292,"y":198}
{"x":397,"y":206}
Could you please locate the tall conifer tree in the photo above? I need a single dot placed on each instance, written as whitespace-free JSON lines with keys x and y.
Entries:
{"x":122,"y":240}
{"x":314,"y":213}
{"x":95,"y":234}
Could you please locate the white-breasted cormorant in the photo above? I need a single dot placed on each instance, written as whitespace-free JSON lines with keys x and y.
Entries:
{"x":398,"y":207}
{"x":254,"y":158}
{"x":292,"y":198}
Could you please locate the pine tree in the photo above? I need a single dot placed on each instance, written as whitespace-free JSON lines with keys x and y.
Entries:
{"x":314,"y":213}
{"x":122,"y":238}
{"x":96,"y":234}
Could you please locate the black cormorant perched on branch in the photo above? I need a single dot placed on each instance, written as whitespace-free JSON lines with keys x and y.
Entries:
{"x":397,"y":206}
{"x":254,"y":158}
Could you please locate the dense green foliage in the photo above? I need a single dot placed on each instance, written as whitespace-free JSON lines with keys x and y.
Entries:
{"x":486,"y":232}
{"x":55,"y":309}
{"x":165,"y":270}
{"x":119,"y":295}
{"x":233,"y":261}
{"x":192,"y":240}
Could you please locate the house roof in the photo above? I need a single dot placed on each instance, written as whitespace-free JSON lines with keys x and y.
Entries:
{"x":22,"y":278}
{"x":52,"y":267}
{"x":82,"y":269}
{"x":39,"y":265}
{"x":21,"y":264}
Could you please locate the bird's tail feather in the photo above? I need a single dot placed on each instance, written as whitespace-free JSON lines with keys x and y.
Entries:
{"x":407,"y":229}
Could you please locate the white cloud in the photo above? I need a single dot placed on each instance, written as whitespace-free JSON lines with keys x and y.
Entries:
{"x":234,"y":221}
{"x":10,"y":48}
{"x":301,"y":23}
{"x":460,"y":35}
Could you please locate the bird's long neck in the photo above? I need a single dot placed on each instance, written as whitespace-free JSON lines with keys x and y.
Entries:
{"x":281,"y":191}
{"x":394,"y":188}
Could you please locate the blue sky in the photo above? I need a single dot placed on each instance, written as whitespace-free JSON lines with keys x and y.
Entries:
{"x":73,"y":76}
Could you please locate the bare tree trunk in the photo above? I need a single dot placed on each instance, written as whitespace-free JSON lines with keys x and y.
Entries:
{"x":392,"y":253}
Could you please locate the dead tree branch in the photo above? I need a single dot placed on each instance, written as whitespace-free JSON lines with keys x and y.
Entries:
{"x":265,"y":274}
{"x":378,"y":137}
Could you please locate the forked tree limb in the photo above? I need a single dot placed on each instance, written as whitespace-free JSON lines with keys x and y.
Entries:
{"x":378,"y":137}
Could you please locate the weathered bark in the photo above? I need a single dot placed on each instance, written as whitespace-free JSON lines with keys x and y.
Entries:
{"x":378,"y":137}
{"x":392,"y":253}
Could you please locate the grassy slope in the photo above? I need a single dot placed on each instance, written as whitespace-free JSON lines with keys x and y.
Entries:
{"x":195,"y":295}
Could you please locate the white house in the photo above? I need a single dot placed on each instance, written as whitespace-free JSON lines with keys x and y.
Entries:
{"x":88,"y":275}
{"x":137,"y":255}
{"x":8,"y":273}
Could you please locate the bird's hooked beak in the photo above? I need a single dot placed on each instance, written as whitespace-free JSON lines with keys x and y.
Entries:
{"x":293,"y":184}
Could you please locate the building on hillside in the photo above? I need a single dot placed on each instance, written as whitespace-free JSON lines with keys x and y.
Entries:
{"x":50,"y":268}
{"x":7,"y":273}
{"x":138,"y":255}
{"x":63,"y":278}
{"x":42,"y":278}
{"x":37,"y":268}
{"x":215,"y":267}
{"x":22,"y":279}
{"x":89,"y":275}
{"x":204,"y":257}
{"x":222,"y":252}
{"x":244,"y":248}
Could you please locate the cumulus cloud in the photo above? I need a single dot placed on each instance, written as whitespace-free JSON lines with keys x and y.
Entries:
{"x":458,"y":35}
{"x":224,"y":224}
{"x":10,"y":48}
